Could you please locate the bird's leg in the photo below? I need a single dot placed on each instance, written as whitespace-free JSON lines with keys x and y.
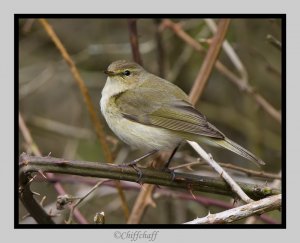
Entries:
{"x":134,"y":162}
{"x":166,"y":167}
{"x":171,"y":157}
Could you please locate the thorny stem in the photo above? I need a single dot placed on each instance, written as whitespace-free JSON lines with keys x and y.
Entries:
{"x":82,"y":198}
{"x":26,"y":195}
{"x":102,"y":170}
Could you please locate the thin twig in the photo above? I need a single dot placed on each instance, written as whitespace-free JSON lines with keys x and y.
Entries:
{"x":160,"y":49}
{"x":204,"y":200}
{"x":61,"y":128}
{"x":274,"y":41}
{"x":277,"y":183}
{"x":77,"y":77}
{"x":183,"y":57}
{"x":27,"y":25}
{"x":249,"y":172}
{"x":67,"y":129}
{"x":209,"y":61}
{"x":207,"y":158}
{"x":81,"y":199}
{"x":27,"y":136}
{"x":238,"y":213}
{"x":228,"y":49}
{"x":207,"y":202}
{"x":133,"y":37}
{"x":88,"y":101}
{"x":195,"y":95}
{"x":27,"y":194}
{"x":197,"y":161}
{"x":36,"y":83}
{"x":224,"y":70}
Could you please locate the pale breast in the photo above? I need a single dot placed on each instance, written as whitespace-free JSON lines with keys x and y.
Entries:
{"x":134,"y":134}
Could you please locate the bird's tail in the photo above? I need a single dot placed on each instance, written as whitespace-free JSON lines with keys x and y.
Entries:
{"x":234,"y":147}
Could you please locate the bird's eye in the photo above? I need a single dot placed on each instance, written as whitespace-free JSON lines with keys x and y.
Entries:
{"x":126,"y":72}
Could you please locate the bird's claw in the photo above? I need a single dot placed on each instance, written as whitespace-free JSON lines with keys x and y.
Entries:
{"x":133,"y":164}
{"x":171,"y":172}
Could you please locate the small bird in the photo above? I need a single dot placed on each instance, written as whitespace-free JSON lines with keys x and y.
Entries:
{"x":148,"y":112}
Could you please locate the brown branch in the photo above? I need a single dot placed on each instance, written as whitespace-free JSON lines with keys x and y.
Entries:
{"x":165,"y":192}
{"x":32,"y":206}
{"x":27,"y":136}
{"x":77,"y":77}
{"x":27,"y":26}
{"x":141,"y":203}
{"x":238,"y":213}
{"x":196,"y":161}
{"x":249,"y":172}
{"x":160,"y":49}
{"x":133,"y":37}
{"x":189,"y":182}
{"x":25,"y":193}
{"x":88,"y":101}
{"x":144,"y":198}
{"x":197,"y":90}
{"x":207,"y":202}
{"x":261,"y":101}
{"x":209,"y":61}
{"x":73,"y":207}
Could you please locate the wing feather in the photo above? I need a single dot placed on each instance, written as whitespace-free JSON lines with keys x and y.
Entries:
{"x":166,"y":111}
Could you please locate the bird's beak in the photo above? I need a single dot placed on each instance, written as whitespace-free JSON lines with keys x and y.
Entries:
{"x":109,"y":73}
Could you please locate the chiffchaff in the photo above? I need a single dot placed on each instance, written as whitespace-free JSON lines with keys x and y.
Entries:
{"x":148,"y":112}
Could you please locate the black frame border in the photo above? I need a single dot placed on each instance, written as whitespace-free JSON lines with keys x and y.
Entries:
{"x":17,"y":225}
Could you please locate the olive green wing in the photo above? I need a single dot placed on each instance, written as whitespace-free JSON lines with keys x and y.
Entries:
{"x":168,"y":110}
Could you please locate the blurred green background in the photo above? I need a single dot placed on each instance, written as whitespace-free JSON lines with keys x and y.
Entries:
{"x":53,"y":107}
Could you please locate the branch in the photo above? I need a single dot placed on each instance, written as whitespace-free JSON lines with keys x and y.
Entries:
{"x":190,"y":182}
{"x":233,"y":185}
{"x":159,"y":192}
{"x":26,"y":195}
{"x":228,"y":49}
{"x":251,"y":173}
{"x":88,"y":101}
{"x":209,"y":61}
{"x":77,"y":77}
{"x":134,"y":41}
{"x":160,"y":49}
{"x":229,"y":216}
{"x":143,"y":200}
{"x":261,"y":101}
{"x":81,"y":199}
{"x":195,"y":94}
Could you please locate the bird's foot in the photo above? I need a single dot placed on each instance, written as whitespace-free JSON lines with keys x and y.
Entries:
{"x":166,"y":169}
{"x":133,"y":164}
